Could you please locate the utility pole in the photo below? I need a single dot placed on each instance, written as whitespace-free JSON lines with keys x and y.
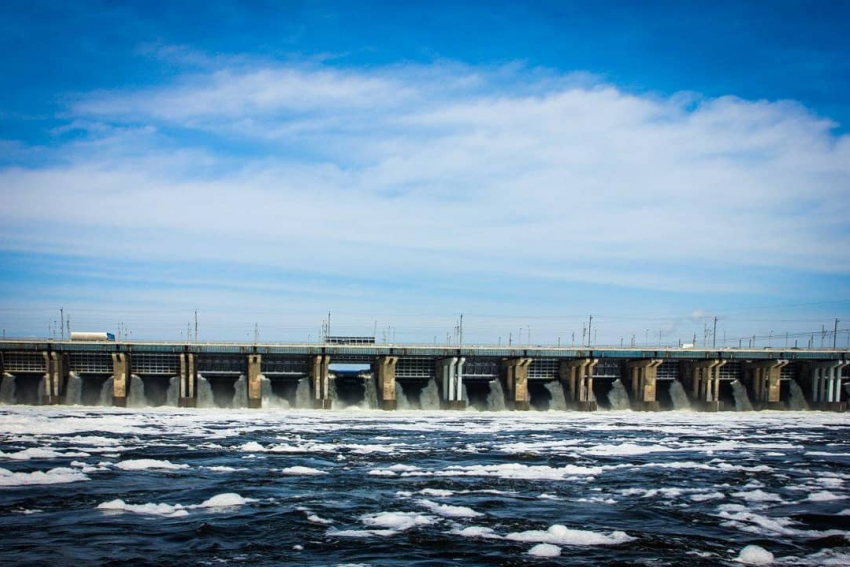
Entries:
{"x":714,"y":334}
{"x":573,"y":341}
{"x":589,"y":327}
{"x":68,"y":324}
{"x":62,"y":322}
{"x":256,"y":333}
{"x":659,"y":337}
{"x":835,"y":335}
{"x":460,"y":335}
{"x":329,"y":323}
{"x":196,"y":325}
{"x":510,"y":339}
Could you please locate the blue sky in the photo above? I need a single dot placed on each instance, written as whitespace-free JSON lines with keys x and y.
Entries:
{"x":653,"y":164}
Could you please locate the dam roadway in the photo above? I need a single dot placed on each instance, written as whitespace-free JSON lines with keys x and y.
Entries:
{"x":539,"y":377}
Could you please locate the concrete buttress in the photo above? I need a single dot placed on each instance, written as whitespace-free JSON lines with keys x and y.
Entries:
{"x":255,"y":386}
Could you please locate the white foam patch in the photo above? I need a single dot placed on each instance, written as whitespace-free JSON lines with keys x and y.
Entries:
{"x":437,"y":492}
{"x":226,"y":500}
{"x":145,"y":464}
{"x":60,"y":475}
{"x":449,"y":511}
{"x":755,"y":555}
{"x":708,"y":496}
{"x":477,"y":531}
{"x":825,"y":496}
{"x":545,"y":550}
{"x":166,"y":510}
{"x":519,"y":471}
{"x":386,"y":524}
{"x":306,"y":471}
{"x":252,"y":447}
{"x":39,"y":453}
{"x":561,"y":535}
{"x":757,"y":496}
{"x":315,"y":519}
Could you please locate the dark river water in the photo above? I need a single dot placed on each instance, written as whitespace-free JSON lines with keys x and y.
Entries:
{"x":84,"y":486}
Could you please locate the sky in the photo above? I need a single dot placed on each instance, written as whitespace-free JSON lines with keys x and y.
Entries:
{"x":528,"y":165}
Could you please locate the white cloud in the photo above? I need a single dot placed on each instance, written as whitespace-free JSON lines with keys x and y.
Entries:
{"x":446,"y":170}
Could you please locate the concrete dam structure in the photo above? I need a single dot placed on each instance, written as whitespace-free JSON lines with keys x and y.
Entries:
{"x":336,"y":376}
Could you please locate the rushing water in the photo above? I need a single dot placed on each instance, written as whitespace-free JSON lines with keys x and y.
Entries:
{"x":618,"y":398}
{"x":88,"y":486}
{"x":678,"y":396}
{"x":742,"y":400}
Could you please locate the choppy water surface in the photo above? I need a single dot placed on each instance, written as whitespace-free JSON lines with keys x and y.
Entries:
{"x":182,"y":487}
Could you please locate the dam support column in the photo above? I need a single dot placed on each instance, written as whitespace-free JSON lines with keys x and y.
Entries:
{"x":644,"y":376}
{"x":55,"y":378}
{"x":385,"y":367}
{"x":825,"y":386}
{"x":188,"y":396}
{"x":321,"y":382}
{"x":450,"y":376}
{"x":765,"y":378}
{"x":577,"y":379}
{"x":255,"y":385}
{"x":120,"y":379}
{"x":516,"y":382}
{"x":705,"y":384}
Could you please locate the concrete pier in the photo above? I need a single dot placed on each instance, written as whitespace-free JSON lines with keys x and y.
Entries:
{"x":764,"y":381}
{"x":704,"y":380}
{"x":55,"y":378}
{"x":255,"y":386}
{"x":644,"y":375}
{"x":516,"y":383}
{"x":120,"y":379}
{"x":825,"y":386}
{"x":385,"y":372}
{"x":321,"y":381}
{"x":577,"y":378}
{"x":188,"y":396}
{"x":450,"y":376}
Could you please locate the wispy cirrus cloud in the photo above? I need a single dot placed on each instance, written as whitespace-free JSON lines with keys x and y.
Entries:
{"x":449,"y":170}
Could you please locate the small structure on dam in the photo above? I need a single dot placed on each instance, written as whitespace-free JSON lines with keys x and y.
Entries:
{"x":334,"y":375}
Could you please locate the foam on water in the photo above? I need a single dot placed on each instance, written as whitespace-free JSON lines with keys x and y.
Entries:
{"x":428,"y":487}
{"x":59,"y":475}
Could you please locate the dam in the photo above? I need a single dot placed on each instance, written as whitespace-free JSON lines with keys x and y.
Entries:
{"x":391,"y":376}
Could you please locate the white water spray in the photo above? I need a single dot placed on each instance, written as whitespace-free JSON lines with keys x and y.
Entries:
{"x":74,"y":390}
{"x":618,"y":398}
{"x":557,"y":400}
{"x":496,"y":397}
{"x":429,"y":398}
{"x":205,"y":393}
{"x":172,"y":396}
{"x":797,"y":400}
{"x":402,"y":402}
{"x":136,"y":396}
{"x":106,"y":392}
{"x":742,"y":401}
{"x":679,"y":396}
{"x":302,"y":394}
{"x":240,"y":393}
{"x":370,"y":394}
{"x":270,"y":399}
{"x":7,"y":390}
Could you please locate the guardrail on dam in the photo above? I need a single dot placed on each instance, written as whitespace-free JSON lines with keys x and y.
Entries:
{"x":451,"y":377}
